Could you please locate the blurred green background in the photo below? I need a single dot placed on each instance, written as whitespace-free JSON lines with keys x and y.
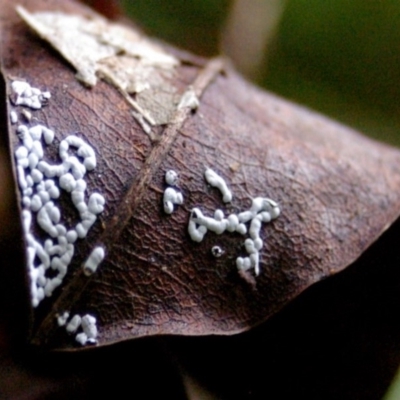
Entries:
{"x":339,"y":57}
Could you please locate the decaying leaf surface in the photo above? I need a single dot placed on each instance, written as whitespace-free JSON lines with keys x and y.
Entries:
{"x":337,"y":192}
{"x":121,"y":56}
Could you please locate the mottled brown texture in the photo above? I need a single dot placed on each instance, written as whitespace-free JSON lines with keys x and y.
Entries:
{"x":337,"y":190}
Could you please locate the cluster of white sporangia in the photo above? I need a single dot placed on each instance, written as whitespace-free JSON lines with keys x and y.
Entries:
{"x":261,"y":210}
{"x":171,"y":196}
{"x":25,"y":95}
{"x":41,"y":183}
{"x":87,"y":323}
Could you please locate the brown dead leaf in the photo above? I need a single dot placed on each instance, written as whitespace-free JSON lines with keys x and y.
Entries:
{"x":337,"y":192}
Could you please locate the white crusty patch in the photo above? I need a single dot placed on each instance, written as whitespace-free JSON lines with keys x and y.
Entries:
{"x":262,"y":210}
{"x":41,"y":184}
{"x":171,"y":177}
{"x":89,"y":326}
{"x":62,"y":318}
{"x":93,"y":261}
{"x":74,"y":324}
{"x":171,"y":195}
{"x":217,"y":181}
{"x":23,"y":94}
{"x":170,"y":198}
{"x":13,"y":117}
{"x":84,"y":328}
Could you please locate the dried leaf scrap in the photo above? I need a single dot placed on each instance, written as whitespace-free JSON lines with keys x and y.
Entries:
{"x":142,"y":71}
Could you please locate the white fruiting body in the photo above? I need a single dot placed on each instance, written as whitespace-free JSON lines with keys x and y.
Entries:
{"x":25,"y":95}
{"x":217,"y":251}
{"x":62,"y":318}
{"x":171,"y":197}
{"x":93,"y":261}
{"x":41,"y":183}
{"x":13,"y":117}
{"x":262,"y":210}
{"x":217,"y":181}
{"x":171,"y":177}
{"x":74,"y":324}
